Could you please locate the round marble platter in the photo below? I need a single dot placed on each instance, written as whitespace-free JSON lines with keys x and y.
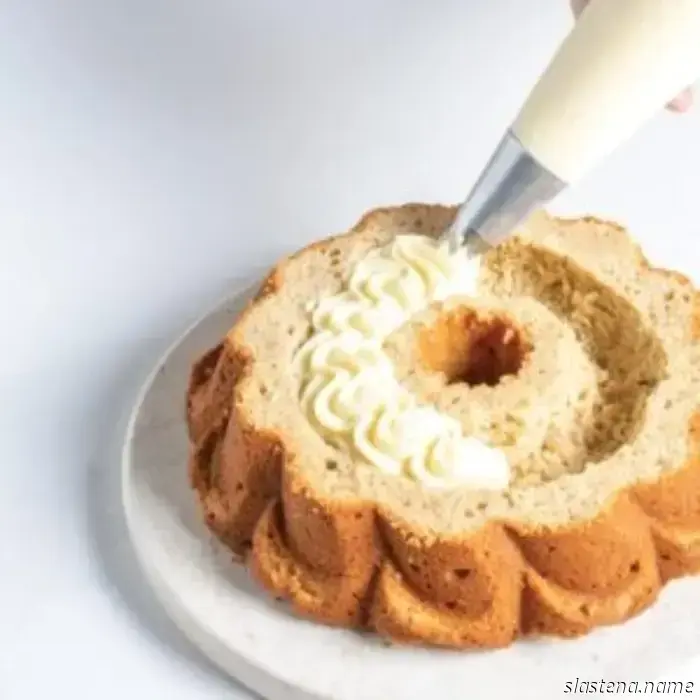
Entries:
{"x":261,"y":644}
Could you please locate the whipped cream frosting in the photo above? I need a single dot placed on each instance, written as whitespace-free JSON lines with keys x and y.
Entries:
{"x":350,"y":394}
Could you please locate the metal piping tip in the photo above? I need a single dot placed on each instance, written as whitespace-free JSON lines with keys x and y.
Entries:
{"x":511,"y":186}
{"x":453,"y":240}
{"x":471,"y":242}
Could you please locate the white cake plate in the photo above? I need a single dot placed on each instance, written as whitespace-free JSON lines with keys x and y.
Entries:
{"x":281,"y":657}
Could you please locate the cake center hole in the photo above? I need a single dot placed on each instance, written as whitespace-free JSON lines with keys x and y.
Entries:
{"x":473,"y":348}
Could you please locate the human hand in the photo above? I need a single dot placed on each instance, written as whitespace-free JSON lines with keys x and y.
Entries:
{"x":681,"y":103}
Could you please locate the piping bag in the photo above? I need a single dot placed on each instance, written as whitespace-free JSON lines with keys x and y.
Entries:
{"x":621,"y":62}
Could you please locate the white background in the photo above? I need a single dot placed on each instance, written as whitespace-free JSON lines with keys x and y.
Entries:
{"x":153,"y":152}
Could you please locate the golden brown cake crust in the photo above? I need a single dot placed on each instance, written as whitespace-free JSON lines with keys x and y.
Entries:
{"x":355,"y":563}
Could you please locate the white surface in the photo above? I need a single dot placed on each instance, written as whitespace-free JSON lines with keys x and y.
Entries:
{"x":154,"y":151}
{"x":219,"y":607}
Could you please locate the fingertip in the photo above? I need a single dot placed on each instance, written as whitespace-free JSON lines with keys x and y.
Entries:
{"x":681,"y":103}
{"x":578,"y":6}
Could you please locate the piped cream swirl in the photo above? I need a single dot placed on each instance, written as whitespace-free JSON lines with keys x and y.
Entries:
{"x":349,"y":390}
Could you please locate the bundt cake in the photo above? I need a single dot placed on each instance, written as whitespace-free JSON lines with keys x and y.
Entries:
{"x":451,"y":452}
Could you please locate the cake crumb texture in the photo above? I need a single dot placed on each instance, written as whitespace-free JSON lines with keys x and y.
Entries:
{"x":594,"y":400}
